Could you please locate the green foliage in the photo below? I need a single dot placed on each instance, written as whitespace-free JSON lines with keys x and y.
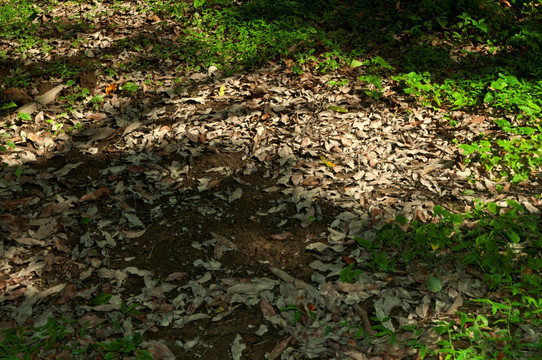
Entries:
{"x":349,"y":274}
{"x":489,"y":242}
{"x":130,"y":88}
{"x":492,"y":241}
{"x":24,"y":116}
{"x":16,"y":16}
{"x":8,"y":105}
{"x":19,"y":171}
{"x":97,"y":100}
{"x":100,"y":299}
{"x":7,"y":142}
{"x":470,"y":55}
{"x":517,"y":157}
{"x":32,"y":342}
{"x":477,"y":336}
{"x":374,"y":91}
{"x":299,"y":313}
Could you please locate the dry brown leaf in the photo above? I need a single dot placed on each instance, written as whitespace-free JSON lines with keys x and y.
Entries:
{"x":279,"y":348}
{"x":311,"y":181}
{"x":266,"y":308}
{"x":477,"y":119}
{"x":282,"y":236}
{"x":95,"y":195}
{"x":41,"y":101}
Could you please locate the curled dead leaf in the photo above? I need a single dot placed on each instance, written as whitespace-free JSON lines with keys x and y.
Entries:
{"x":9,"y":204}
{"x":279,"y":349}
{"x":312,"y":181}
{"x":95,"y":195}
{"x":132,"y":234}
{"x":282,"y":236}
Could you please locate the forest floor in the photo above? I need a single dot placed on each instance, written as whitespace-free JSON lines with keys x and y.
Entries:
{"x":200,"y":214}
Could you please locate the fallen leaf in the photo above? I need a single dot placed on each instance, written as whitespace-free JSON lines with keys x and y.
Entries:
{"x":110,"y":89}
{"x":434,"y":284}
{"x":328,"y":163}
{"x":41,"y":101}
{"x":282,"y":236}
{"x":337,"y":109}
{"x":279,"y":348}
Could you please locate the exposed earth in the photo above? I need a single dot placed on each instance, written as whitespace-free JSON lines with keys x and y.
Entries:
{"x":192,"y":212}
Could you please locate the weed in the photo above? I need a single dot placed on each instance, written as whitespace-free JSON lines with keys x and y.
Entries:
{"x":8,"y":105}
{"x":56,"y":128}
{"x":349,"y":274}
{"x":299,"y":313}
{"x":76,"y":94}
{"x":491,"y":243}
{"x":482,"y":337}
{"x":7,"y":142}
{"x":24,"y":117}
{"x":130,"y":88}
{"x":97,"y":101}
{"x":375,"y":86}
{"x":343,"y":82}
{"x":33,"y":342}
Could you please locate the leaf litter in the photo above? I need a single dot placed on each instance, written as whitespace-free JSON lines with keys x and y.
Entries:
{"x":210,"y":206}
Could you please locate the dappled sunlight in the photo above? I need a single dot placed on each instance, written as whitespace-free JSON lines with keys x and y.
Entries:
{"x":270,"y":179}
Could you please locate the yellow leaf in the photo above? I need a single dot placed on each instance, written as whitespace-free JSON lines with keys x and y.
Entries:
{"x":434,"y":246}
{"x":328,"y":163}
{"x":110,"y":89}
{"x":337,"y":109}
{"x":221,"y":91}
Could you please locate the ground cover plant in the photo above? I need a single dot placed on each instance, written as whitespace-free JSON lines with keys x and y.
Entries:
{"x":270,"y":179}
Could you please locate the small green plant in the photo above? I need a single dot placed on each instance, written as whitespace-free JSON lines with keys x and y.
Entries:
{"x":358,"y":328}
{"x":111,"y":73}
{"x":76,"y":93}
{"x":8,"y":105}
{"x":415,"y":342}
{"x":381,"y":330}
{"x":375,"y":88}
{"x":330,"y":61}
{"x":24,"y":117}
{"x":56,"y":128}
{"x":77,"y":126}
{"x":130,"y":88}
{"x":349,"y":274}
{"x":299,"y":313}
{"x":377,"y":65}
{"x":19,"y":171}
{"x":342,"y":82}
{"x":97,"y":101}
{"x":7,"y":142}
{"x":477,"y":336}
